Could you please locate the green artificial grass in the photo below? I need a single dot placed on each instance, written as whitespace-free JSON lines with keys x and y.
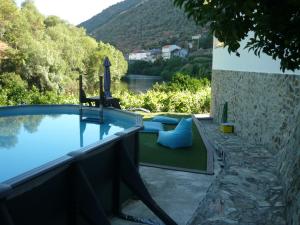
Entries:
{"x":192,"y":158}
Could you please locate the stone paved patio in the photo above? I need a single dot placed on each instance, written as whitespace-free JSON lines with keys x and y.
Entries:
{"x":178,"y":193}
{"x":246,"y":191}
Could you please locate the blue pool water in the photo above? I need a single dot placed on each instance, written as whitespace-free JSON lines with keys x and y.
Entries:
{"x":29,"y":141}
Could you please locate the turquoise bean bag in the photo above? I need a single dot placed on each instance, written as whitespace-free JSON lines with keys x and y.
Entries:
{"x":180,"y":137}
{"x":152,"y":127}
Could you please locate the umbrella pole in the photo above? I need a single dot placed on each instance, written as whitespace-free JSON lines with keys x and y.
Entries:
{"x":80,"y":95}
{"x":101,"y":98}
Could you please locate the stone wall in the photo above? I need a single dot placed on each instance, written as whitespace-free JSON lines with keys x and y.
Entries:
{"x":265,"y":109}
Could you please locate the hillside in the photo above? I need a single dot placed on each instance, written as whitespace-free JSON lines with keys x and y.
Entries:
{"x":107,"y":14}
{"x":142,"y":24}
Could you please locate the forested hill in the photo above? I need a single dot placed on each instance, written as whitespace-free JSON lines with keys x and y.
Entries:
{"x":108,"y":14}
{"x":142,"y":24}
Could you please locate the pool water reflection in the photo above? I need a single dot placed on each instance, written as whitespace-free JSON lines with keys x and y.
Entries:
{"x":29,"y":141}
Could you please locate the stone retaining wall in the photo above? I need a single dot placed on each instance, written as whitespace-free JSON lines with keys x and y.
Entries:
{"x":265,"y":109}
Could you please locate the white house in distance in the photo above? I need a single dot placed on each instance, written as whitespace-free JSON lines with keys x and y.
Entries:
{"x":180,"y":53}
{"x":168,"y":49}
{"x":140,"y":55}
{"x":195,"y":41}
{"x":264,"y":105}
{"x":155,"y":53}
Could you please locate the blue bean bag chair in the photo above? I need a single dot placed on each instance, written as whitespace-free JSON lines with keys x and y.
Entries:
{"x":165,"y":120}
{"x":180,"y":137}
{"x":152,"y":127}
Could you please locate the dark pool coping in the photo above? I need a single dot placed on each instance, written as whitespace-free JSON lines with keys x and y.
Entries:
{"x":209,"y":148}
{"x":8,"y":187}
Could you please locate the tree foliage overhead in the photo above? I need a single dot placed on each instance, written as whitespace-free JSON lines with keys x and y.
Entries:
{"x":275,"y":24}
{"x":48,"y":53}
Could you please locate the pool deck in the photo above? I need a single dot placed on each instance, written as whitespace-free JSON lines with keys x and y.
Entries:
{"x":178,"y":193}
{"x":245,"y":189}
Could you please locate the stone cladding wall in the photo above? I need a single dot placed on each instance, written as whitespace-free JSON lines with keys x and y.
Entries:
{"x":265,"y":109}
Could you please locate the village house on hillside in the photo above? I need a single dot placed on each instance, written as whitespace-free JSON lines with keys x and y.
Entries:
{"x":143,"y":55}
{"x":156,"y":53}
{"x":180,"y":53}
{"x":168,"y":51}
{"x":140,"y":55}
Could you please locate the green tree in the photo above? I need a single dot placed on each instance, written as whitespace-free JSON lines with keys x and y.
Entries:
{"x":46,"y":56}
{"x":275,"y":25}
{"x":14,"y":88}
{"x":52,"y":21}
{"x":119,"y":65}
{"x":8,"y":12}
{"x":34,"y":19}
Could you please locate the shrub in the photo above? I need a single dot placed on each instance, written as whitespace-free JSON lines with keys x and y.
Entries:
{"x":182,"y":94}
{"x":15,"y":91}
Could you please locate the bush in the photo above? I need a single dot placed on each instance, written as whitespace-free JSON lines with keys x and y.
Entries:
{"x":182,"y":82}
{"x":177,"y":101}
{"x":15,"y":91}
{"x":50,"y":97}
{"x":183,"y":94}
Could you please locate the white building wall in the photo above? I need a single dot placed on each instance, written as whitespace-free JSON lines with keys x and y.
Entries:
{"x":167,"y":51}
{"x":247,"y":62}
{"x":166,"y":54}
{"x":138,"y":56}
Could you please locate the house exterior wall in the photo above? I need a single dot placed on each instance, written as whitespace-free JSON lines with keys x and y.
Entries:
{"x":166,"y":55}
{"x":180,"y":53}
{"x":264,"y":105}
{"x":167,"y":51}
{"x":247,"y":62}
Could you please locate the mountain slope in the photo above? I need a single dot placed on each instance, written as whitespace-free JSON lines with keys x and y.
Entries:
{"x":142,"y":24}
{"x":107,"y":14}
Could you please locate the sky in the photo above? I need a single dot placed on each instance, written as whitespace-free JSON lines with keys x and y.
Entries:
{"x":73,"y":11}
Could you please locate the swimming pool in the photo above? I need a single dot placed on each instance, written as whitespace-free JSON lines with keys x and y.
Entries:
{"x":25,"y":139}
{"x":58,"y":165}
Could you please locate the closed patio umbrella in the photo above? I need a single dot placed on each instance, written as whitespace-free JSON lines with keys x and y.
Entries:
{"x":107,"y":78}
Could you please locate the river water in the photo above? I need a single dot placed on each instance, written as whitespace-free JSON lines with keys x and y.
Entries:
{"x":137,"y":83}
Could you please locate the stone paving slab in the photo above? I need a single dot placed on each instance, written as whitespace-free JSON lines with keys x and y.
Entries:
{"x":247,"y":191}
{"x":178,"y":193}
